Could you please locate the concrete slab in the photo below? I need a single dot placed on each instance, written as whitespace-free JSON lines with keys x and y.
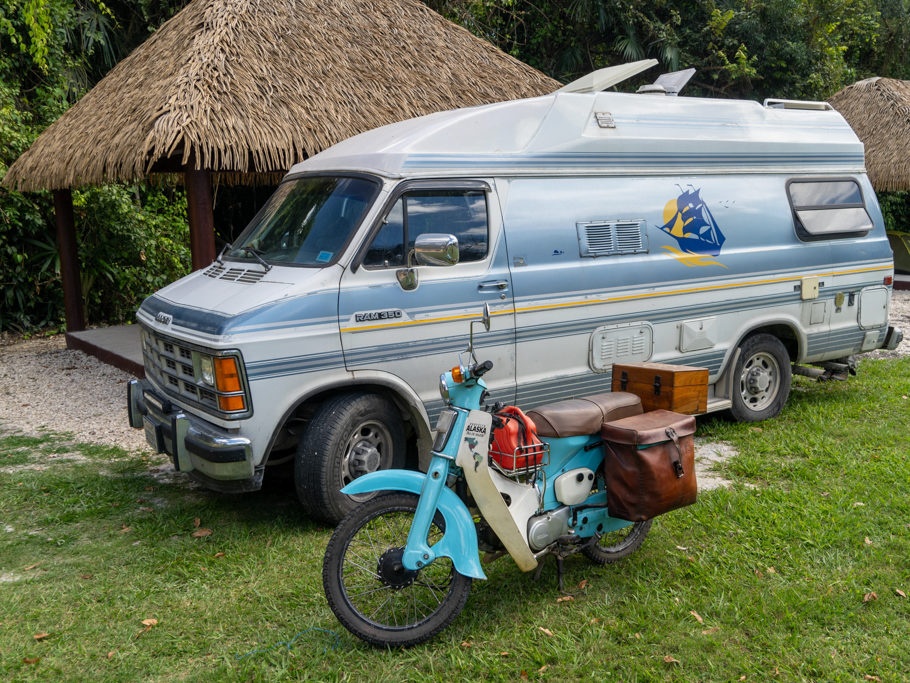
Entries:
{"x":118,"y":345}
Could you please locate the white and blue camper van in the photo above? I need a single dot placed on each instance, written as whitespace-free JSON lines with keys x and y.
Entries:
{"x":599,"y":227}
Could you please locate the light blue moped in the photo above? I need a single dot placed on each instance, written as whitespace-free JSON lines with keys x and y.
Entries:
{"x":398,"y":568}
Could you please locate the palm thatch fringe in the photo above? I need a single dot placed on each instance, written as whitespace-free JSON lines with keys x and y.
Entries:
{"x":251,"y":86}
{"x":878,"y":110}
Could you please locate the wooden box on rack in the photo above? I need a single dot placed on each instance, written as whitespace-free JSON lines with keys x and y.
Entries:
{"x":680,"y":388}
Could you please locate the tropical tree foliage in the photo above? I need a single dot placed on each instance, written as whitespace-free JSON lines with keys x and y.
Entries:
{"x":132,"y":240}
{"x":741,"y":48}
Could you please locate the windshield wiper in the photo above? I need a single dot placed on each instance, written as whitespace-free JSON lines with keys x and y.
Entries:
{"x":255,"y":253}
{"x":227,"y":245}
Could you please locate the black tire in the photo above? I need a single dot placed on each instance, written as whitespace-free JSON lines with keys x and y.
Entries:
{"x":761,"y":379}
{"x":368,"y":590}
{"x":348,"y":436}
{"x":616,"y":545}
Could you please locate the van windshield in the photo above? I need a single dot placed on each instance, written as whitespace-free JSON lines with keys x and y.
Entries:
{"x":307,"y":221}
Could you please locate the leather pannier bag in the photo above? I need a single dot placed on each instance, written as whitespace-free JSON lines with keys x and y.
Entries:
{"x":649,"y":464}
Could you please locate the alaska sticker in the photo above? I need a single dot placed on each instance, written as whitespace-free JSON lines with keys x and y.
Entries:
{"x":689,"y":221}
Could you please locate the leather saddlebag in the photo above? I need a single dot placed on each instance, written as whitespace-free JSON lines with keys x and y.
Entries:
{"x":649,"y":464}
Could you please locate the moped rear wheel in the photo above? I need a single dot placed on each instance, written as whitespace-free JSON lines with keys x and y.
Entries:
{"x":615,"y":545}
{"x":369,"y":590}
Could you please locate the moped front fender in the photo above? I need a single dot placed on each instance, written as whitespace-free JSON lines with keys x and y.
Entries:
{"x":459,"y":542}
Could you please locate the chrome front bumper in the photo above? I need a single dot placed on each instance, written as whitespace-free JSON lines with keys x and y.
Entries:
{"x":218,"y":460}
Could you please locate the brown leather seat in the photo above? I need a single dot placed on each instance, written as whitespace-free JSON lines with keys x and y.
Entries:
{"x":579,"y":416}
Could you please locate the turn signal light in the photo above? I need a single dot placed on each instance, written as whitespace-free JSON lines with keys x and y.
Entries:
{"x":457,"y":375}
{"x":889,"y":280}
{"x":231,"y":403}
{"x":227,"y":378}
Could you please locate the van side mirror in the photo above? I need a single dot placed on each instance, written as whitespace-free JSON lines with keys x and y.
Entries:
{"x":430,"y":249}
{"x":435,"y":249}
{"x":407,"y":278}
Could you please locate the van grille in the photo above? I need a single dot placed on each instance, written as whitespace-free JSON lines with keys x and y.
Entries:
{"x":170,"y":364}
{"x":606,"y":238}
{"x":219,"y":271}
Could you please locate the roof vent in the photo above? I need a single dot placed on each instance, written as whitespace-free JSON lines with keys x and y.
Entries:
{"x":608,"y":77}
{"x":668,"y":84}
{"x":797,"y":104}
{"x":652,"y":89}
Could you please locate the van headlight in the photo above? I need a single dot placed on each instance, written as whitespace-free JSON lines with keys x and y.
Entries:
{"x":207,"y":370}
{"x":222,"y":373}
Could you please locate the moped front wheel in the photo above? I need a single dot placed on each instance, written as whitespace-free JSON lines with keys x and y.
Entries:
{"x":616,"y":545}
{"x":369,"y":590}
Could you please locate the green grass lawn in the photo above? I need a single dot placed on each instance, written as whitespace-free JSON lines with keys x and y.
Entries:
{"x":793,"y":573}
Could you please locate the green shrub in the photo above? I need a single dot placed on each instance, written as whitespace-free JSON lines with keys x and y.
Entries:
{"x":132,"y":240}
{"x":896,"y":210}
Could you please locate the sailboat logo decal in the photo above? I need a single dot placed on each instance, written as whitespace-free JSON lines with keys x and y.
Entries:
{"x":689,"y":221}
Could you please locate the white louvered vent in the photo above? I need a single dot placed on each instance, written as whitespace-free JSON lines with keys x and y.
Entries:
{"x":607,"y":238}
{"x":220,"y":272}
{"x":623,"y":343}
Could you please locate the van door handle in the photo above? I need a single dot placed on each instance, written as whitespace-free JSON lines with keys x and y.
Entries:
{"x":493,"y":286}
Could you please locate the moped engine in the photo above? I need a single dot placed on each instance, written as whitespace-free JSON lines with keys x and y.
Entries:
{"x":546,"y":528}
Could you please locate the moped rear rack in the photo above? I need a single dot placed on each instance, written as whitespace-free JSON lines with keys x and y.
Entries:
{"x":523,"y":461}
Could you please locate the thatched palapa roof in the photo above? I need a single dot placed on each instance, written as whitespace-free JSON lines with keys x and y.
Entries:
{"x":878,"y":110}
{"x":254,"y":86}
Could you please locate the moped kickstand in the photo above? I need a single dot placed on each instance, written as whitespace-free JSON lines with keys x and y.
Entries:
{"x":559,"y":573}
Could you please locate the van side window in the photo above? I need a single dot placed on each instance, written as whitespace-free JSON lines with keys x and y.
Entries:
{"x":462,"y":213}
{"x":828,"y":208}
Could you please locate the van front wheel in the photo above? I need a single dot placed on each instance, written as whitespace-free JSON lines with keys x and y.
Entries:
{"x":761,"y":380}
{"x":348,"y":436}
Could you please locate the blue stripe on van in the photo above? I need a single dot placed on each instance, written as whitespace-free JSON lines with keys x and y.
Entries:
{"x":563,"y":329}
{"x":846,"y":341}
{"x":213,"y":323}
{"x":385,"y":353}
{"x":294,"y":365}
{"x":198,"y":320}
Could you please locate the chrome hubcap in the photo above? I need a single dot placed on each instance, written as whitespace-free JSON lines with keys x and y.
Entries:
{"x":760,"y":380}
{"x":368,"y":449}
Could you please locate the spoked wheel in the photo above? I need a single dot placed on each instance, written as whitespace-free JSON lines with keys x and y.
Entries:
{"x":615,"y":545}
{"x":369,"y":590}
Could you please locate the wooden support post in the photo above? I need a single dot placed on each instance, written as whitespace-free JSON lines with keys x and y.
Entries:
{"x":69,"y":261}
{"x":202,"y":222}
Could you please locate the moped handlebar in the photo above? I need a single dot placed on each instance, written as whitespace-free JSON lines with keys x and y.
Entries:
{"x":480,"y":369}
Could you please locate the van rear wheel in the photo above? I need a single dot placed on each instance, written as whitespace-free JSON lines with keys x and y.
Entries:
{"x":347,"y":437}
{"x":761,"y":379}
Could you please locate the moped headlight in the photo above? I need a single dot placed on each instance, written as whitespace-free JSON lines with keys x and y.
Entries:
{"x":444,"y":425}
{"x":207,"y":370}
{"x":443,"y":387}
